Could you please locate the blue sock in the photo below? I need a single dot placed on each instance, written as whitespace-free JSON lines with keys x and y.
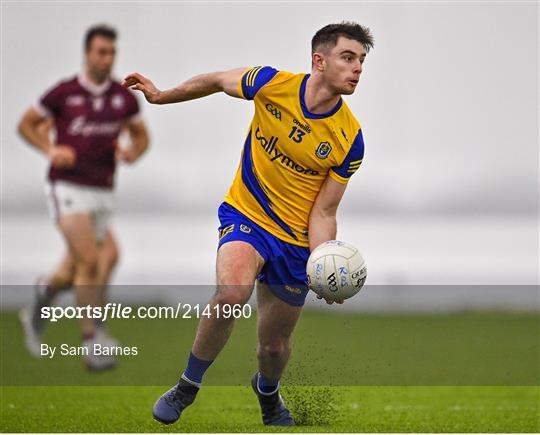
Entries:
{"x":265,"y":385}
{"x":195,"y":370}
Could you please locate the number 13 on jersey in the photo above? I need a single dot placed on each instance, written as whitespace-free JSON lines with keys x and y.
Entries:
{"x":297,"y":134}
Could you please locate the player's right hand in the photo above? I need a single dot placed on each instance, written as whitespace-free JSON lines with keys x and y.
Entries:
{"x":62,"y":156}
{"x":330,"y":301}
{"x":138,"y":82}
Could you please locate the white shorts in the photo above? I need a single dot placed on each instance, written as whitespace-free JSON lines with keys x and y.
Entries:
{"x":64,"y":198}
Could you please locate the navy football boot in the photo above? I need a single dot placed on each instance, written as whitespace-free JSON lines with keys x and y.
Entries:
{"x":274,"y":411}
{"x":171,"y":404}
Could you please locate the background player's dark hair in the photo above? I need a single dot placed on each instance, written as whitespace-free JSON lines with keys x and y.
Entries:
{"x":99,"y":30}
{"x":329,"y":35}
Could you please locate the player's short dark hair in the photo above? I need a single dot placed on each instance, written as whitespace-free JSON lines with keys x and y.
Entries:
{"x":329,"y":35}
{"x":99,"y":30}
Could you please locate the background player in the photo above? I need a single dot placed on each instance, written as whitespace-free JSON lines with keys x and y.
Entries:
{"x":88,"y":112}
{"x":302,"y":147}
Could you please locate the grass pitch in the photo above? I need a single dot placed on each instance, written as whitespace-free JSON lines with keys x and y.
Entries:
{"x":469,"y":372}
{"x":235,"y":409}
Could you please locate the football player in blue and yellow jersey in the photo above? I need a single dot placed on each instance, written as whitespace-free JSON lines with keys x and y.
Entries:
{"x":302,"y":147}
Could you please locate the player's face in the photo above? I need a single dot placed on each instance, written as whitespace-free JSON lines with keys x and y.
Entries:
{"x":343,"y":65}
{"x":100,"y":57}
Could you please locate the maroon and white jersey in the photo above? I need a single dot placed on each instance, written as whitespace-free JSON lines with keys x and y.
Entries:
{"x":88,"y":118}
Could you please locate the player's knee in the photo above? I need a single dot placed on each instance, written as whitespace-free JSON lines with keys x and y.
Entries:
{"x":113,"y":256}
{"x":232,"y":295}
{"x":87,"y":264}
{"x":273,"y":349}
{"x":62,"y":281}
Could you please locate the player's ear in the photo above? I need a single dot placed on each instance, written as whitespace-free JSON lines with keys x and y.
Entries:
{"x":318,"y":61}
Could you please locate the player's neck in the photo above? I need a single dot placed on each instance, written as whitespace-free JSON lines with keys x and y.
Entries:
{"x":93,"y":79}
{"x":319,"y":98}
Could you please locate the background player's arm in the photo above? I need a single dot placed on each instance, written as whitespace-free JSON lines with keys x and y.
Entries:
{"x":138,"y":135}
{"x":196,"y":87}
{"x":34,"y":128}
{"x":322,"y":219}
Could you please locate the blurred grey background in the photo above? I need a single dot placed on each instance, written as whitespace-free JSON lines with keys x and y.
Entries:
{"x":448,"y":193}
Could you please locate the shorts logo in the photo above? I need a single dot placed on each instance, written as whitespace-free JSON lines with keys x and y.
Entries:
{"x":323,"y":150}
{"x":293,"y":289}
{"x":225,"y":230}
{"x":273,"y":110}
{"x":245,"y":229}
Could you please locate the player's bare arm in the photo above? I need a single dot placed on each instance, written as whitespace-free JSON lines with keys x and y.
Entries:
{"x":33,"y":128}
{"x":196,"y":87}
{"x":322,"y":219}
{"x":139,"y":142}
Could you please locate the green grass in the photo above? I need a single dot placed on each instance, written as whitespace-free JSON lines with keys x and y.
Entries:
{"x":235,"y":409}
{"x":468,"y":372}
{"x":348,"y":349}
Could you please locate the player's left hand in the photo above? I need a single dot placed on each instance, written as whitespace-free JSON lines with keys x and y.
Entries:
{"x":126,"y":155}
{"x":330,"y":301}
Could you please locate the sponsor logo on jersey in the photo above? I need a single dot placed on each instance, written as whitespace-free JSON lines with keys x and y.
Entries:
{"x":225,"y":230}
{"x":270,"y":147}
{"x":323,"y":150}
{"x":79,"y":126}
{"x":304,"y":127}
{"x":273,"y":110}
{"x":245,"y":229}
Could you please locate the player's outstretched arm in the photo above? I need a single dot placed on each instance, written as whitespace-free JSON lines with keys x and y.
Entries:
{"x":196,"y":87}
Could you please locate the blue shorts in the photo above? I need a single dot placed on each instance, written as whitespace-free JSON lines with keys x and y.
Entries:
{"x":284,"y":267}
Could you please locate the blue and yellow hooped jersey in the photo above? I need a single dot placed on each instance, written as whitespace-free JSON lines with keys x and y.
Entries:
{"x":289,"y":152}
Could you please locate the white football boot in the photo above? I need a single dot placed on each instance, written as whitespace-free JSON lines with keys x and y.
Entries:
{"x":94,"y":360}
{"x":32,"y":336}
